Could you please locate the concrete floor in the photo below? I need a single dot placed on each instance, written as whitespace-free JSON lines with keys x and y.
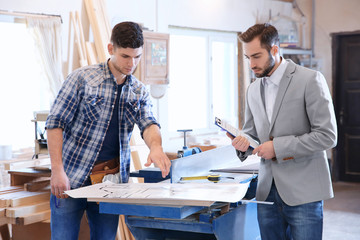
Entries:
{"x":342,"y":213}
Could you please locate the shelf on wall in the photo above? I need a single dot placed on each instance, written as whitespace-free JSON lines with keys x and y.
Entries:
{"x":307,"y":61}
{"x":40,"y":141}
{"x":295,"y":51}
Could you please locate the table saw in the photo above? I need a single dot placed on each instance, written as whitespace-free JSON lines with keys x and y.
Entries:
{"x":219,"y":220}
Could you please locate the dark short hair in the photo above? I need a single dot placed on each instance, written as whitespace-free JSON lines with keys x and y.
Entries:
{"x":267,"y":34}
{"x":127,"y":35}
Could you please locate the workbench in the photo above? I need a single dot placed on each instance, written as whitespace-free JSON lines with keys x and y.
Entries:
{"x":222,"y":221}
{"x":219,"y":221}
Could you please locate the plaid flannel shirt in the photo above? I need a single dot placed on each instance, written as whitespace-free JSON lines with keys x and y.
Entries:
{"x":83,"y":109}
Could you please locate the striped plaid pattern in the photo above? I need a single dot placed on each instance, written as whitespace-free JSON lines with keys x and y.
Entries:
{"x":83,"y":109}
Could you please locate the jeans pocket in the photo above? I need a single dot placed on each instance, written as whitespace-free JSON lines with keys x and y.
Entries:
{"x":54,"y":201}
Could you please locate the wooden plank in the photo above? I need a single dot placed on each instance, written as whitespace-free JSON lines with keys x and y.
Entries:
{"x":135,"y":157}
{"x":6,"y":220}
{"x":4,"y":198}
{"x":99,"y":24}
{"x":128,"y":235}
{"x":20,"y":211}
{"x":5,"y":232}
{"x":36,"y":186}
{"x":96,"y":29}
{"x":40,"y":116}
{"x":171,"y":155}
{"x":91,"y":53}
{"x":24,"y":163}
{"x":124,"y":227}
{"x":23,"y":198}
{"x":70,"y":40}
{"x":82,"y":60}
{"x":47,"y":221}
{"x":11,"y":189}
{"x":120,"y":235}
{"x":30,"y":198}
{"x":34,"y":218}
{"x":102,"y":19}
{"x":81,"y":33}
{"x":31,"y":173}
{"x":2,"y":212}
{"x":102,"y":5}
{"x":21,"y":179}
{"x":46,"y":167}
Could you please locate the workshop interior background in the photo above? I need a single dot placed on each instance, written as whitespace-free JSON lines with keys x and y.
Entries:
{"x":196,"y":71}
{"x":202,"y":35}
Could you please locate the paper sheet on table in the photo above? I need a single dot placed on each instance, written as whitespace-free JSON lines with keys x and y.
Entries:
{"x":166,"y":192}
{"x":250,"y":168}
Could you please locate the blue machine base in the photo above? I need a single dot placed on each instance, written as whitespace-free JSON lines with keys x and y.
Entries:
{"x":239,"y":223}
{"x":187,"y":222}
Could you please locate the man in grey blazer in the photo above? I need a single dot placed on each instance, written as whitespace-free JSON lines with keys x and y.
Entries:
{"x":289,"y":111}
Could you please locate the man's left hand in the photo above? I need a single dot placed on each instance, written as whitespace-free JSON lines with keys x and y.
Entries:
{"x":265,"y":150}
{"x":160,"y":160}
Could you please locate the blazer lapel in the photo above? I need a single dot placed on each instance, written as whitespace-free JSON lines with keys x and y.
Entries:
{"x":284,"y":83}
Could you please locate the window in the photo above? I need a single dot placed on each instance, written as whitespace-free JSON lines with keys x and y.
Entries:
{"x":224,"y":80}
{"x":203,"y":79}
{"x":23,"y":86}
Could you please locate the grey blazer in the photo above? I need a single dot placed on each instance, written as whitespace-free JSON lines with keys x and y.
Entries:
{"x":302,"y":127}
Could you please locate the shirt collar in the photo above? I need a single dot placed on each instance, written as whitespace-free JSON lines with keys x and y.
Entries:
{"x":107,"y":72}
{"x":109,"y":75}
{"x":276,"y":76}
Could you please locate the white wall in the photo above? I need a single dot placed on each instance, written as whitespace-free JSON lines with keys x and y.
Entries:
{"x":333,"y":16}
{"x":157,"y":15}
{"x":227,"y":15}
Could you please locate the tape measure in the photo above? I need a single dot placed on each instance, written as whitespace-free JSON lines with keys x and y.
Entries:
{"x":211,"y":178}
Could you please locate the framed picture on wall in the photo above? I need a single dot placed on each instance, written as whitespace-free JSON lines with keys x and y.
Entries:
{"x":154,"y":65}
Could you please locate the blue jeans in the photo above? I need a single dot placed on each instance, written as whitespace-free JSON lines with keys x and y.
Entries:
{"x":66,"y":215}
{"x":283,"y":222}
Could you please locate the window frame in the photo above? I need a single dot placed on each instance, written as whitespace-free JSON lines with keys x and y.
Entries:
{"x":43,"y":98}
{"x":211,"y":36}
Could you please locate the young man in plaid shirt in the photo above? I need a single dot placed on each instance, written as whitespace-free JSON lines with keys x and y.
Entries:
{"x":90,"y":123}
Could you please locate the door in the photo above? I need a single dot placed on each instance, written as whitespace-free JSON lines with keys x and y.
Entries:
{"x":346,"y":62}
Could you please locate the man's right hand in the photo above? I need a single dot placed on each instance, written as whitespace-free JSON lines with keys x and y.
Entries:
{"x":59,"y":180}
{"x":59,"y":183}
{"x":239,"y":143}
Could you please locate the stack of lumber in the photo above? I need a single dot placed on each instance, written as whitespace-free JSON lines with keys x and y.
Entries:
{"x":20,"y":162}
{"x":15,"y":164}
{"x":100,"y":26}
{"x":90,"y":52}
{"x":21,"y":207}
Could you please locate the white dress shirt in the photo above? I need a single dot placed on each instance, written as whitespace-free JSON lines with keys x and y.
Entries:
{"x":271,"y":87}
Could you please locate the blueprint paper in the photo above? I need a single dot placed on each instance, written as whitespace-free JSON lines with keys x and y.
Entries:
{"x":166,"y":192}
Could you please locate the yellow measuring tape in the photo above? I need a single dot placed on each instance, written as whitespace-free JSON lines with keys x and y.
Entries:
{"x":211,"y":178}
